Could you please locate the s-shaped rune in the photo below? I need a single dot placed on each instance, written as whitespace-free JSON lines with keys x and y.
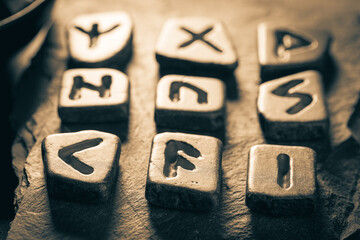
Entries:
{"x":200,"y":37}
{"x":94,"y":33}
{"x":284,"y":91}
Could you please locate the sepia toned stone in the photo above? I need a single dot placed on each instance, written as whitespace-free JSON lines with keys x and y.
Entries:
{"x":283,"y":50}
{"x":293,"y":107}
{"x":81,"y":166}
{"x":195,"y":44}
{"x":94,"y":95}
{"x":281,"y":179}
{"x":184,"y":172}
{"x":100,"y":40}
{"x":192,"y":103}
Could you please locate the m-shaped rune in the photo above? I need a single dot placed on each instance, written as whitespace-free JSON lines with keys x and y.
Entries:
{"x":199,"y":36}
{"x":94,"y":33}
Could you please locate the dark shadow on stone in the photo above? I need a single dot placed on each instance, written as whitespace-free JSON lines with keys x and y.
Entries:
{"x":219,"y":134}
{"x":8,"y":180}
{"x":321,"y":146}
{"x":30,"y":92}
{"x":118,"y":62}
{"x":330,"y":72}
{"x":313,"y":226}
{"x":120,"y":129}
{"x":228,"y":77}
{"x":347,"y":151}
{"x":195,"y":225}
{"x":327,"y":66}
{"x":340,"y":175}
{"x":88,"y":221}
{"x":83,"y":219}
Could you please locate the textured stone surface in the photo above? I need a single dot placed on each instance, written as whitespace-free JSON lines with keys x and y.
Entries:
{"x":354,"y":121}
{"x":129,"y":215}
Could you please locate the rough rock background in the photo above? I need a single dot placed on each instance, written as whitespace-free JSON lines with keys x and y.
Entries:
{"x":128,"y":214}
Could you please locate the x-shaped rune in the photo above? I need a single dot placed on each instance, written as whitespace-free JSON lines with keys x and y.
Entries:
{"x":199,"y":36}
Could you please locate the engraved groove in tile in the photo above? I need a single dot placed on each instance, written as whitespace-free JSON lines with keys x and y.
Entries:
{"x":288,"y":41}
{"x":94,"y":33}
{"x":79,"y":83}
{"x":173,"y":159}
{"x":199,"y":36}
{"x":285,"y":91}
{"x":284,"y":170}
{"x":67,"y":155}
{"x":175,"y":89}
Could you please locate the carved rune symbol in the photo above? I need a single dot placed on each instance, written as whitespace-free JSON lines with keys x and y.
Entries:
{"x":283,"y":91}
{"x":287,"y":41}
{"x":284,"y":171}
{"x":67,"y":155}
{"x":200,"y":37}
{"x":94,"y":33}
{"x":173,"y":159}
{"x":175,"y":88}
{"x":103,"y":89}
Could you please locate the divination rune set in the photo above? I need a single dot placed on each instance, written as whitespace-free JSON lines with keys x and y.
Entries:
{"x":184,"y":169}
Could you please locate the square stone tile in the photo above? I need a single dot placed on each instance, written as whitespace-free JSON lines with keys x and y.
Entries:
{"x":184,"y":171}
{"x":94,"y":95}
{"x":101,"y":39}
{"x":195,"y":44}
{"x":293,"y":107}
{"x":191,"y":103}
{"x":283,"y":50}
{"x":81,"y":166}
{"x":281,"y":179}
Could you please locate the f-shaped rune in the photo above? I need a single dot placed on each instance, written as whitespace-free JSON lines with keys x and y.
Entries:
{"x":200,"y":37}
{"x":173,"y":159}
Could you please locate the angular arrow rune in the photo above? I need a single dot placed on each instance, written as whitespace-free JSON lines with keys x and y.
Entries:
{"x":67,"y":155}
{"x":173,"y":160}
{"x":175,"y":88}
{"x":283,"y":91}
